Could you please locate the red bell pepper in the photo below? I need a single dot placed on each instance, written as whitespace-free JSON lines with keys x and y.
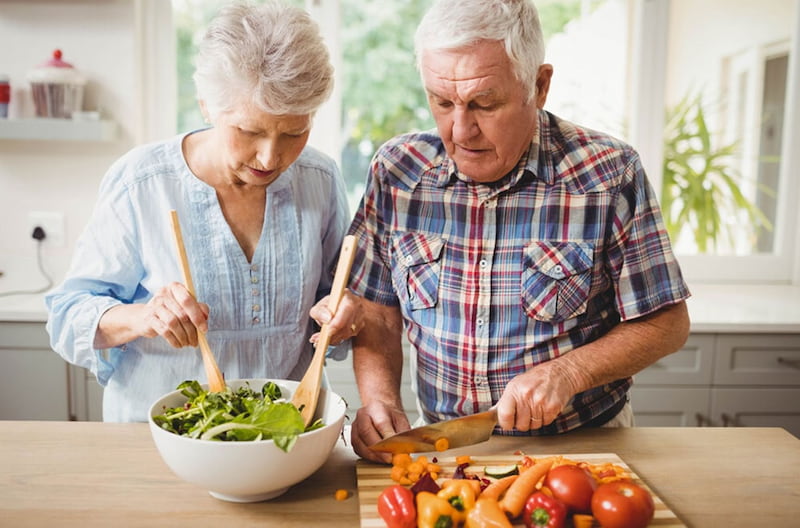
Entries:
{"x":396,"y":507}
{"x":542,"y":510}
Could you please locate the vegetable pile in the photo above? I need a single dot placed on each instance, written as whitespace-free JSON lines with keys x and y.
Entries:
{"x":235,"y":415}
{"x":552,"y":492}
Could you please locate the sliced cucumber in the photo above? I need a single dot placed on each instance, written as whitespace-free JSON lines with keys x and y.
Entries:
{"x":501,"y":471}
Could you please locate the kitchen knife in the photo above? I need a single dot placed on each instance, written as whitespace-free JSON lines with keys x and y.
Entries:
{"x":459,"y":432}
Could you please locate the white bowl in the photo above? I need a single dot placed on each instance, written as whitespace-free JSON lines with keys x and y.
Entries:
{"x":249,"y":471}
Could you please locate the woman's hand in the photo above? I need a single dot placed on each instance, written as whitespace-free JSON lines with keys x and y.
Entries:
{"x":348,"y":321}
{"x":171,"y":313}
{"x":174,"y":314}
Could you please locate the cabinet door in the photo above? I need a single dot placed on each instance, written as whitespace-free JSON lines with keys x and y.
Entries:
{"x":758,"y":360}
{"x":691,"y":365}
{"x":670,"y":406}
{"x":34,"y":380}
{"x":757,"y":407}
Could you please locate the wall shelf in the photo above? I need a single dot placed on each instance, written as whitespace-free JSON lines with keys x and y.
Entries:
{"x":43,"y":128}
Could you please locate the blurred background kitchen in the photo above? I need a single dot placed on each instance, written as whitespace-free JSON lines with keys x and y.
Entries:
{"x":708,"y":91}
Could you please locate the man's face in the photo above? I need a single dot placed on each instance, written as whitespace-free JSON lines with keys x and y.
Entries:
{"x":481,"y":109}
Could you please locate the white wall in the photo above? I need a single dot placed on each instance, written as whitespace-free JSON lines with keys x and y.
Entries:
{"x":103,"y":39}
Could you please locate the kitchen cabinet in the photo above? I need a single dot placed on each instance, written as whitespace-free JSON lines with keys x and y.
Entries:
{"x":37,"y":384}
{"x":723,"y":380}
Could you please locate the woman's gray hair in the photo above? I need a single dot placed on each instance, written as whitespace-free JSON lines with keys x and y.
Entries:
{"x":455,"y":24}
{"x":272,"y":55}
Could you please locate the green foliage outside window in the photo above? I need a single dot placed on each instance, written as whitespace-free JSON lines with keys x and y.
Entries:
{"x":382,"y":94}
{"x":701,"y":188}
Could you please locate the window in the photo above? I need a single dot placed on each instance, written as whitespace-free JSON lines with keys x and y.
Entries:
{"x":707,"y":92}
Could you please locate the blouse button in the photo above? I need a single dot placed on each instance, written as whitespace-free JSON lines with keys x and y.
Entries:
{"x":255,"y":292}
{"x":253,"y":268}
{"x":256,"y":307}
{"x":256,"y":319}
{"x":254,"y":280}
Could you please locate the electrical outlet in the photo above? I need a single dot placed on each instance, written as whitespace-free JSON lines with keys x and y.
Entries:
{"x":53,"y":224}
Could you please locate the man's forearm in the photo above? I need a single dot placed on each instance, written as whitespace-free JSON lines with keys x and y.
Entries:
{"x":378,"y":355}
{"x":627,"y":349}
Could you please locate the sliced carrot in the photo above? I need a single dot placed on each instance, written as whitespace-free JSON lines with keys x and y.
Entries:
{"x":341,"y":494}
{"x":401,"y":459}
{"x":441,"y":444}
{"x":519,"y":491}
{"x":580,"y":520}
{"x":463,"y":459}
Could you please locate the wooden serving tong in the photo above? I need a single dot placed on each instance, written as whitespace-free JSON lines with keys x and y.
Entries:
{"x":216,"y":382}
{"x":307,"y":393}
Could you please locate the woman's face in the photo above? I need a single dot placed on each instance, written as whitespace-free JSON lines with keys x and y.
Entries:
{"x":257,"y":146}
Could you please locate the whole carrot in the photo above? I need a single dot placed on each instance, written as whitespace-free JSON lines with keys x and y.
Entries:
{"x":519,"y":491}
{"x":495,"y":489}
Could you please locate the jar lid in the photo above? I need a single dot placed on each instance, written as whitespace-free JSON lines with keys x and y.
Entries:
{"x":56,"y":70}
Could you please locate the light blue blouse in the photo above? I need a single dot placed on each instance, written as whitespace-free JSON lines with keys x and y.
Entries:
{"x":259,"y":324}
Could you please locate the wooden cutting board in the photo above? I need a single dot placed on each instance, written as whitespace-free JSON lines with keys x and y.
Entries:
{"x":374,"y":478}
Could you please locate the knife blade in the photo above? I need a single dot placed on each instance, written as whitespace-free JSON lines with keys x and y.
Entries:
{"x":459,"y":432}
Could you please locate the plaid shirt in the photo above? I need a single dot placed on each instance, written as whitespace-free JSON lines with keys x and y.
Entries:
{"x":493,"y":279}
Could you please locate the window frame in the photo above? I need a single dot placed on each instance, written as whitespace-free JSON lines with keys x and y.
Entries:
{"x":648,"y":76}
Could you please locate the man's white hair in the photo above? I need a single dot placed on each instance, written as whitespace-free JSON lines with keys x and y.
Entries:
{"x":456,"y":24}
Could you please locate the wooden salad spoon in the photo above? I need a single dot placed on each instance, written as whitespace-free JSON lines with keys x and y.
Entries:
{"x":307,"y":393}
{"x":216,"y":382}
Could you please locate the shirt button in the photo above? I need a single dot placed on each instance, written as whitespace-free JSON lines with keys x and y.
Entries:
{"x":256,"y":320}
{"x":409,"y":259}
{"x":483,"y":263}
{"x":480,"y":321}
{"x":254,"y":280}
{"x":256,"y":307}
{"x":255,"y":293}
{"x":253,"y":268}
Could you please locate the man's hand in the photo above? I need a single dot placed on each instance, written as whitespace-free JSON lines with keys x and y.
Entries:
{"x":374,"y":423}
{"x":534,"y":399}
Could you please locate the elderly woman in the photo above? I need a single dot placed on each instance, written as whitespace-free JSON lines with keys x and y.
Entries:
{"x":263,"y":216}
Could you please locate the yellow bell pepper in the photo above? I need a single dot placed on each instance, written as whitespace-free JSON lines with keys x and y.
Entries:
{"x":487,"y":514}
{"x":460,"y":493}
{"x":434,"y":511}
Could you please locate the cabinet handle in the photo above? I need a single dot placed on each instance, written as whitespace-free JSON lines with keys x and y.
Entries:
{"x":793,"y":363}
{"x":729,"y":421}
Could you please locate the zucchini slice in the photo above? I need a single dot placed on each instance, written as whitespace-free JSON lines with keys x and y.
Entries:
{"x":500,"y":471}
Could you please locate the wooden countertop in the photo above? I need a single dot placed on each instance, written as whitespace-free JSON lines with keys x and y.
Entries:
{"x":87,"y":474}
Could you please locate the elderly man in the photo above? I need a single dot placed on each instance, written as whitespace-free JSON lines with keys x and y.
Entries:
{"x":524,"y":256}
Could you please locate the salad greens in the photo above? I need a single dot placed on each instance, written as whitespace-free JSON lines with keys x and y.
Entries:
{"x":235,"y":415}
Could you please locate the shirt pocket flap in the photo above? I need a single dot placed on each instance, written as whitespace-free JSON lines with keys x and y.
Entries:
{"x":412,"y":249}
{"x":559,"y":260}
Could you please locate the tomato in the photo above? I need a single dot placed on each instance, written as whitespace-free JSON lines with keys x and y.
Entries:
{"x":622,"y":504}
{"x":572,"y":485}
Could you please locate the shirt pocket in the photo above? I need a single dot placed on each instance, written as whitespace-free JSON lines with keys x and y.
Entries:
{"x":416,"y":267}
{"x":556,"y":279}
